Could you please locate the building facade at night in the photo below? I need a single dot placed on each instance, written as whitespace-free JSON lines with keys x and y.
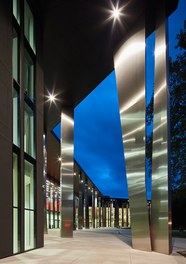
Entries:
{"x":21,"y":121}
{"x":44,"y":50}
{"x":91,"y":208}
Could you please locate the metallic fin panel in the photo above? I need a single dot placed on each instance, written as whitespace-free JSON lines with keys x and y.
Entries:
{"x":161,"y":223}
{"x":80,"y":207}
{"x":93,"y":207}
{"x":67,"y":173}
{"x":129,"y":63}
{"x":99,"y":214}
{"x":86,"y":206}
{"x":104,"y":213}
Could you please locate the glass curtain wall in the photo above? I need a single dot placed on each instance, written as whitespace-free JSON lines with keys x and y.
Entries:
{"x":16,"y":237}
{"x":24,"y":181}
{"x":29,"y":76}
{"x":29,"y":206}
{"x":16,"y":118}
{"x":29,"y":128}
{"x":16,"y":10}
{"x":15,"y":56}
{"x":53,"y":204}
{"x":29,"y":30}
{"x":16,"y":129}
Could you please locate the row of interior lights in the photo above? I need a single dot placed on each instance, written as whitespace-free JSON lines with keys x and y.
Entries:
{"x":60,"y":159}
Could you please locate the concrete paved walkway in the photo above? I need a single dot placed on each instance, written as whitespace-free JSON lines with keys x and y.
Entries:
{"x":96,"y":246}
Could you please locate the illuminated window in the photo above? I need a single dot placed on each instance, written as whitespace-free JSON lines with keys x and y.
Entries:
{"x":15,"y":55}
{"x":29,"y":145}
{"x":16,"y":242}
{"x":29,"y":26}
{"x":29,"y":206}
{"x":16,"y":117}
{"x":16,"y":10}
{"x":29,"y":77}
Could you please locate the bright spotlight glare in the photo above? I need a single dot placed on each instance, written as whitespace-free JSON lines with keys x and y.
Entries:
{"x":52,"y":97}
{"x":116,"y":13}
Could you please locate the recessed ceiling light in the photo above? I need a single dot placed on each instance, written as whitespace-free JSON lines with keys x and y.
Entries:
{"x":52,"y":97}
{"x":116,"y":13}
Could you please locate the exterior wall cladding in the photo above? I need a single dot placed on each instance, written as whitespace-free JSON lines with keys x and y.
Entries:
{"x":6,"y":133}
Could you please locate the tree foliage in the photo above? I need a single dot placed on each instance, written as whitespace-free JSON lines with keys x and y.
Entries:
{"x":178,"y":112}
{"x":178,"y":130}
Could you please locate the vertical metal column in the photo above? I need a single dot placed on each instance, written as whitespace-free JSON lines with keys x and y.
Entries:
{"x":67,"y":173}
{"x":86,"y":206}
{"x":54,"y":198}
{"x":122,"y":215}
{"x":44,"y":182}
{"x":58,"y":208}
{"x":111,"y":214}
{"x":50,"y":206}
{"x":161,"y":211}
{"x":116,"y":218}
{"x":127,"y":215}
{"x":100,"y":215}
{"x":80,"y":207}
{"x":74,"y":215}
{"x":93,"y":208}
{"x":129,"y":63}
{"x":104,"y":213}
{"x":108,"y":214}
{"x":96,"y":207}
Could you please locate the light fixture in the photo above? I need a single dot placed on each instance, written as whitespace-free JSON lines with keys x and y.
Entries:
{"x":51,"y":97}
{"x":59,"y":159}
{"x":116,"y":13}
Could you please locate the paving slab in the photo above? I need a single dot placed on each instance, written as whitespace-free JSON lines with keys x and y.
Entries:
{"x":95,"y":246}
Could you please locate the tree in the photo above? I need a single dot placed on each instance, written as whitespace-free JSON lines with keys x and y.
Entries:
{"x":178,"y":130}
{"x":177,"y":112}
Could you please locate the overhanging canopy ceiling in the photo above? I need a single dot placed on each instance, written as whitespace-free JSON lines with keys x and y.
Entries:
{"x":79,"y":46}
